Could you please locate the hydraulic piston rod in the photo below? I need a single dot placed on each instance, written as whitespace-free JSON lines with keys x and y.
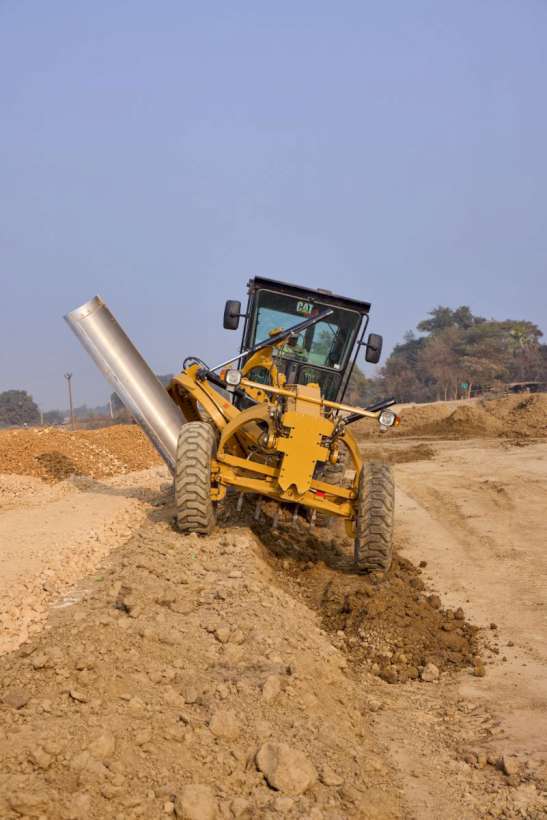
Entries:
{"x":134,"y":382}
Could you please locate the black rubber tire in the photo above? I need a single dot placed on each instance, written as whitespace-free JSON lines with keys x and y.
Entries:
{"x":196,"y":447}
{"x":374,"y":523}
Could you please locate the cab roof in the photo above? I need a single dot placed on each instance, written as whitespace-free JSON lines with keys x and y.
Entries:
{"x":312,"y":294}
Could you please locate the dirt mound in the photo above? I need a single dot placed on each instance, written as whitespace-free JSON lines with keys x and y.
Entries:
{"x":25,"y":490}
{"x":387,"y":624}
{"x":520,"y":415}
{"x":511,"y":417}
{"x":187,"y":683}
{"x":470,"y":420}
{"x":54,"y":454}
{"x":392,"y":627}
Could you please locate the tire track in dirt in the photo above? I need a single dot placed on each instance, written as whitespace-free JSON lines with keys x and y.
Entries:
{"x":477,"y":516}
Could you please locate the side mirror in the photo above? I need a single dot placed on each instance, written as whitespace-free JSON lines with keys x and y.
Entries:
{"x":373,"y":348}
{"x":232,"y":312}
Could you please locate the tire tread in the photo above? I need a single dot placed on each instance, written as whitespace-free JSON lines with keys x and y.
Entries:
{"x":374,"y":524}
{"x":195,"y":449}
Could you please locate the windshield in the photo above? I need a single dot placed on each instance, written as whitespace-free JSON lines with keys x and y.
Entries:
{"x":324,"y":344}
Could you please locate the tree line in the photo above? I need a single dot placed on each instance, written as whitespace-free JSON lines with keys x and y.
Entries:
{"x":455,"y":354}
{"x":458,"y":354}
{"x":18,"y":408}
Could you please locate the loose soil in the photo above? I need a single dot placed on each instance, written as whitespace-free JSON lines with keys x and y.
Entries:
{"x":389,"y":625}
{"x":521,"y":417}
{"x":51,"y":535}
{"x":253,"y":674}
{"x":183,"y":662}
{"x":54,"y":454}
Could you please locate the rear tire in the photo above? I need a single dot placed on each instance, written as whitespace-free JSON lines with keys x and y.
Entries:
{"x":374,"y":522}
{"x":195,"y":448}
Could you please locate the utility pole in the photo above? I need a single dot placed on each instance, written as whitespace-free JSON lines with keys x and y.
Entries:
{"x":68,"y":377}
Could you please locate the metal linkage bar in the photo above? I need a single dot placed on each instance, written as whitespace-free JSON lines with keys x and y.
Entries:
{"x":281,"y":391}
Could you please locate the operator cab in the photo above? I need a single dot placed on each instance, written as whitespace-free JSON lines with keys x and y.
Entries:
{"x":323,"y":352}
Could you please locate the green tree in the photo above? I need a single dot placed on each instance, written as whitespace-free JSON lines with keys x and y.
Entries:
{"x":460,"y":347}
{"x":402,"y":375}
{"x":17,"y":408}
{"x":524,"y":345}
{"x":442,"y":318}
{"x":483,"y":355}
{"x":440,"y":362}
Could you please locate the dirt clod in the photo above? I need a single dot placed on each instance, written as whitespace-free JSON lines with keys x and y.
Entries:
{"x":271,"y":688}
{"x":430,"y":673}
{"x":103,"y":746}
{"x":286,"y":769}
{"x":224,"y":724}
{"x":196,"y":802}
{"x":17,"y":698}
{"x":329,"y":777}
{"x":509,"y":765}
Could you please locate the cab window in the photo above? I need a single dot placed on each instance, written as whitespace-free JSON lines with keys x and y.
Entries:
{"x":325,"y":344}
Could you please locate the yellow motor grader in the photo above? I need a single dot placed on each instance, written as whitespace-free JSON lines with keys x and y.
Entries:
{"x":271,"y":420}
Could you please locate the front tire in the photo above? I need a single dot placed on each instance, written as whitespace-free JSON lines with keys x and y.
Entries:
{"x":374,"y":521}
{"x":196,"y":447}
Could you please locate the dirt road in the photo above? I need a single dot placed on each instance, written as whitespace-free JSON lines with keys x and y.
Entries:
{"x":251,"y":675}
{"x":475,"y":512}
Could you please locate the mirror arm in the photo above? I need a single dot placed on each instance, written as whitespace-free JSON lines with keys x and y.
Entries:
{"x":362,"y":343}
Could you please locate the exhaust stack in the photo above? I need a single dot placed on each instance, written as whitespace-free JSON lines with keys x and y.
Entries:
{"x":134,"y":382}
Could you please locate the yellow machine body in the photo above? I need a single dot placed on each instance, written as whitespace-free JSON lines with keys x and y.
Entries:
{"x":273,"y":447}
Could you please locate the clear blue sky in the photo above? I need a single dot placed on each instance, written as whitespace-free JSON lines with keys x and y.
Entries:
{"x":158,"y":153}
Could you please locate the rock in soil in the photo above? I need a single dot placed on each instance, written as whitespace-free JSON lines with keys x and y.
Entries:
{"x":196,"y":802}
{"x":286,"y":769}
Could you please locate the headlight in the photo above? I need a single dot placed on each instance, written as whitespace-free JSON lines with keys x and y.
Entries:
{"x":233,"y":377}
{"x":387,"y":418}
